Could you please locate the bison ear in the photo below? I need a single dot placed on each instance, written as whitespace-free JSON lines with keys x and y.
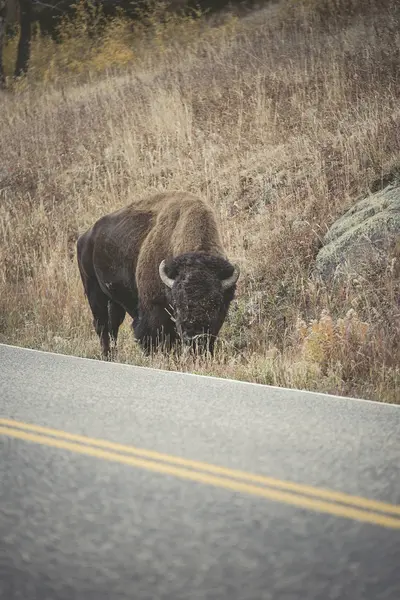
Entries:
{"x":232,"y":279}
{"x":164,"y":277}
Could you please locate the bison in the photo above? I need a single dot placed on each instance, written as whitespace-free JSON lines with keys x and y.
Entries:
{"x":160,"y":260}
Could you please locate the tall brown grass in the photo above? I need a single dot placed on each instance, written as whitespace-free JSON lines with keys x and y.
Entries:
{"x":281,"y":119}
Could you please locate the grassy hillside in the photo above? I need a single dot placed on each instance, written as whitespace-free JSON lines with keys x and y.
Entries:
{"x":281,"y":119}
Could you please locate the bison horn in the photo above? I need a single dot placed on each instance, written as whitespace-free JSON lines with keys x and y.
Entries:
{"x":230,"y":281}
{"x":164,"y":277}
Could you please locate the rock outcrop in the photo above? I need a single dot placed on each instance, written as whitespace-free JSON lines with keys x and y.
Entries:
{"x":364,"y":239}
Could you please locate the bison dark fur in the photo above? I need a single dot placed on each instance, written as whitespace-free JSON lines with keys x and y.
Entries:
{"x":161,"y":261}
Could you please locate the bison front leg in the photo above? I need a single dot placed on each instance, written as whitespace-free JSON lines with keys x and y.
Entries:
{"x":153,"y":333}
{"x":144,"y":335}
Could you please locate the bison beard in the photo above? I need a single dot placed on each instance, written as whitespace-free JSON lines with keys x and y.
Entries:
{"x":161,"y":261}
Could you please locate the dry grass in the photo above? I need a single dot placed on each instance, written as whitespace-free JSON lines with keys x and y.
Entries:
{"x":281,"y":120}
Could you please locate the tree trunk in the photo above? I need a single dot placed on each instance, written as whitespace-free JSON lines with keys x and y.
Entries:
{"x":3,"y":12}
{"x":24,"y":45}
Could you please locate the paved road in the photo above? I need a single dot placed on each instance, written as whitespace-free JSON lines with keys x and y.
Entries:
{"x":119,"y":482}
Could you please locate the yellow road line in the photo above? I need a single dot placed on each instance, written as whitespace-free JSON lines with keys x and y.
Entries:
{"x":208,"y":479}
{"x":298,"y":488}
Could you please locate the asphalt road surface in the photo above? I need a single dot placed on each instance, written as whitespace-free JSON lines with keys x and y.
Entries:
{"x":118,"y":482}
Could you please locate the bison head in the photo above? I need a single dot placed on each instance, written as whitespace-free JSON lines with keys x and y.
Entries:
{"x":200,"y":288}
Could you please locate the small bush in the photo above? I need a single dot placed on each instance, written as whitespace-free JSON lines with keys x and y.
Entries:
{"x":329,"y":342}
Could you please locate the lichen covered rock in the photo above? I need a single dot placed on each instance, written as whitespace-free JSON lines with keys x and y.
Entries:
{"x":364,"y":239}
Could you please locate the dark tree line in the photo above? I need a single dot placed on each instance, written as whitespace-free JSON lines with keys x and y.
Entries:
{"x":10,"y":10}
{"x":49,"y":13}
